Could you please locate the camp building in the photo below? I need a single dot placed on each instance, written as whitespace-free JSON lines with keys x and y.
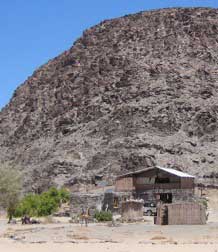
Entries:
{"x":157,"y":184}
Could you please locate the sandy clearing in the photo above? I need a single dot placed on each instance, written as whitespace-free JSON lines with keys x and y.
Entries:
{"x":136,"y":232}
{"x":7,"y":246}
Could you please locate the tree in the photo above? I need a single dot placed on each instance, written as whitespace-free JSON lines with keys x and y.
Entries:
{"x":10,"y":188}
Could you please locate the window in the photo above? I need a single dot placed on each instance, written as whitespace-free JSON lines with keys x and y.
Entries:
{"x":145,"y":181}
{"x":162,"y":180}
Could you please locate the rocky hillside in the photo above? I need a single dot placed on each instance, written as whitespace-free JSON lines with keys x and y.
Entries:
{"x":131,"y":92}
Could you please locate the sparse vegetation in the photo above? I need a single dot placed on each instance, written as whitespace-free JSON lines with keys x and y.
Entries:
{"x":42,"y":204}
{"x":103,"y":216}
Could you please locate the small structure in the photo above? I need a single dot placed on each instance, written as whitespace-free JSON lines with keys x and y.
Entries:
{"x":113,"y":200}
{"x":186,"y":213}
{"x":157,"y":184}
{"x":132,"y":210}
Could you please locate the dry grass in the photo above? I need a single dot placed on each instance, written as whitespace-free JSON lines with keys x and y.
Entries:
{"x":79,"y":237}
{"x":158,"y":238}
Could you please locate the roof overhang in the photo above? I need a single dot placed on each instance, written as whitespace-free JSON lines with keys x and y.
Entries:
{"x":168,"y":170}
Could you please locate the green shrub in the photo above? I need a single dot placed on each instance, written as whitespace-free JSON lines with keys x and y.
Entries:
{"x":204,"y":202}
{"x":42,"y":204}
{"x":28,"y":206}
{"x":48,"y":204}
{"x":103,"y":216}
{"x":64,"y":195}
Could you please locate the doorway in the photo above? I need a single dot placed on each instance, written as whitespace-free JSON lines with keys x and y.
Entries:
{"x":164,"y":216}
{"x":166,"y":197}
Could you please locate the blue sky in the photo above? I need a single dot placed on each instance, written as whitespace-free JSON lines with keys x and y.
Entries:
{"x":34,"y":31}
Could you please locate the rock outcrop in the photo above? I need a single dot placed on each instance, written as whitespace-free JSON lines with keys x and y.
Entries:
{"x":131,"y":92}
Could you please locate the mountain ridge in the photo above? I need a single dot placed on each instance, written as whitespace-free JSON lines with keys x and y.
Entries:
{"x":131,"y":92}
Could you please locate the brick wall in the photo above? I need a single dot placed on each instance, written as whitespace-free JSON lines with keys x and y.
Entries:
{"x":124,"y":184}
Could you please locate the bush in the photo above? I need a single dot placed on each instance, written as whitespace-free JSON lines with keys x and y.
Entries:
{"x":103,"y":216}
{"x":204,"y":202}
{"x":28,"y":206}
{"x":64,"y":195}
{"x":42,"y":205}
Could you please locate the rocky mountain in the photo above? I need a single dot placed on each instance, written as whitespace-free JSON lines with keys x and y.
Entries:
{"x":131,"y":92}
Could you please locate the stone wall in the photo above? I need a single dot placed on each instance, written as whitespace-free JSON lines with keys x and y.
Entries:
{"x":178,"y":195}
{"x":112,"y":201}
{"x":132,"y":210}
{"x":97,"y":201}
{"x":85,"y":200}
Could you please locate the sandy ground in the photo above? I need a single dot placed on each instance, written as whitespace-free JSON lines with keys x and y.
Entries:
{"x":130,"y":247}
{"x":63,"y":236}
{"x":102,"y":237}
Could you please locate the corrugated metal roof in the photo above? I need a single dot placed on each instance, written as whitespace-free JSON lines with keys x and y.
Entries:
{"x":134,"y":172}
{"x":175,"y":172}
{"x":168,"y":170}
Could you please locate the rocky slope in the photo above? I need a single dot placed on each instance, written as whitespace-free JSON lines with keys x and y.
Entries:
{"x":131,"y":92}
